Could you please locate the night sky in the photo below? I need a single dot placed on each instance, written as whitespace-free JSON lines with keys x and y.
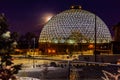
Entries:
{"x":27,"y":15}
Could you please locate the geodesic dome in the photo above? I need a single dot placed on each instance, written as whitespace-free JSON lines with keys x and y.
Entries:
{"x":75,"y":26}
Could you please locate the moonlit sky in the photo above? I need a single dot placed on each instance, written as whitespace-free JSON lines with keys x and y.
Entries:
{"x":29,"y":15}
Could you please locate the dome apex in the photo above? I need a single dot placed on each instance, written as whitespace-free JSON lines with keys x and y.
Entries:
{"x":76,"y":7}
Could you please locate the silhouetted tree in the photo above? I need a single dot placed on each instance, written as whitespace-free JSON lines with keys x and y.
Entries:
{"x":15,"y":36}
{"x":28,"y":41}
{"x":7,"y":67}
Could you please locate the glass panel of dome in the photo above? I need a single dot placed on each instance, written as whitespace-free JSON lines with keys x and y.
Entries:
{"x":70,"y":20}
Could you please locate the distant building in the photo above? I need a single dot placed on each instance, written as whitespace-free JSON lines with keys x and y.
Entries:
{"x":116,"y":39}
{"x":73,"y":31}
{"x":116,"y":29}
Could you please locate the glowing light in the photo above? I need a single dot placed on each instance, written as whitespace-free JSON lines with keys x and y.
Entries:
{"x":71,"y":41}
{"x":53,"y":51}
{"x":49,"y":51}
{"x":47,"y":17}
{"x":91,"y":46}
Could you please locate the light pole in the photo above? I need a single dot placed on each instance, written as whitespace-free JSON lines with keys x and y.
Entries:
{"x":68,"y":70}
{"x":95,"y":36}
{"x":33,"y":52}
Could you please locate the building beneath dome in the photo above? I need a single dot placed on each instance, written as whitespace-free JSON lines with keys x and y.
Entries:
{"x":74,"y":31}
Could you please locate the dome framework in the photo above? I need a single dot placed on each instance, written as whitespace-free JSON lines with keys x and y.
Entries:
{"x":75,"y":26}
{"x":76,"y":22}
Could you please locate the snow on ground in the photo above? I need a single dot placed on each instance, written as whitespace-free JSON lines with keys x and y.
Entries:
{"x":43,"y":72}
{"x":27,"y":78}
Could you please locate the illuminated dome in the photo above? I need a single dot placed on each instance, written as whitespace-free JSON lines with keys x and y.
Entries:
{"x":75,"y":26}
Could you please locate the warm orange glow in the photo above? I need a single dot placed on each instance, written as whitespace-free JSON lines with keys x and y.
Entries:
{"x":18,"y":50}
{"x":47,"y":17}
{"x":91,"y":46}
{"x":49,"y":51}
{"x":53,"y":51}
